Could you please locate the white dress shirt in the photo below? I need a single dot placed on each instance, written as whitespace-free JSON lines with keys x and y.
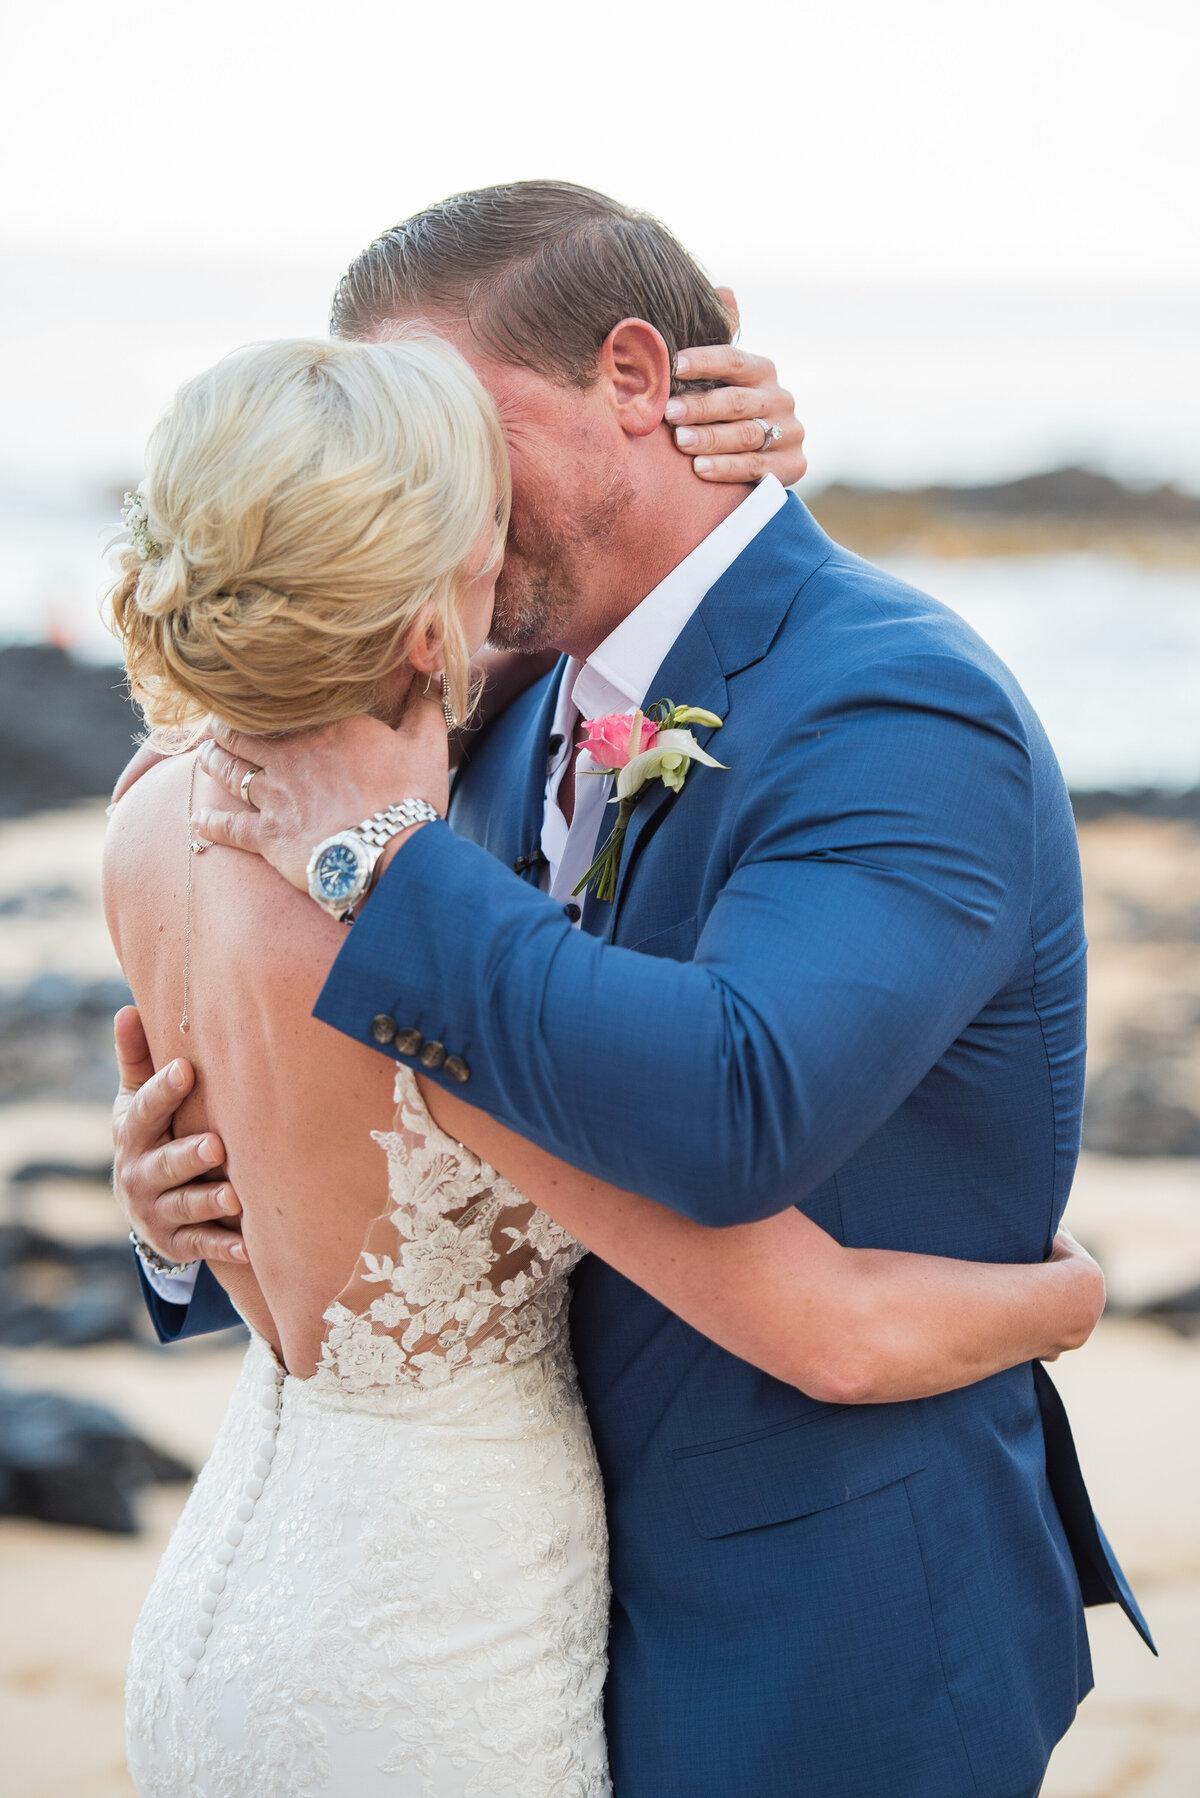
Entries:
{"x":178,"y":1288}
{"x":615,"y":678}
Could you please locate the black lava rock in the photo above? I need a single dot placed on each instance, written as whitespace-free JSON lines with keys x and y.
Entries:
{"x":1144,"y":1102}
{"x":64,"y":1460}
{"x":1133,"y":1109}
{"x":56,"y":1039}
{"x":66,"y":729}
{"x":65,"y":1293}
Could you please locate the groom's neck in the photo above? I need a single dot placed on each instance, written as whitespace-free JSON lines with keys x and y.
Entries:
{"x":664,"y":524}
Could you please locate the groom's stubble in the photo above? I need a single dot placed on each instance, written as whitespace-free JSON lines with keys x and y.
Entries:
{"x":551,"y":564}
{"x":531,"y":281}
{"x":570,"y":500}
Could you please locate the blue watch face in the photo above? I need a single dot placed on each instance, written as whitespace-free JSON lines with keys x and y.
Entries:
{"x":338,"y":871}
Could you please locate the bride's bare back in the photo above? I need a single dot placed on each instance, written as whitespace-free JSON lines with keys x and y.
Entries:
{"x":294,"y":1102}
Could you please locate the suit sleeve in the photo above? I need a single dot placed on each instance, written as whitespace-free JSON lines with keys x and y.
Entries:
{"x":209,"y":1309}
{"x":877,"y":895}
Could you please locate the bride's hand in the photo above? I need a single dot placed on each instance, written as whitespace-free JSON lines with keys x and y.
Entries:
{"x":309,"y":787}
{"x":718,"y":429}
{"x":1087,"y":1288}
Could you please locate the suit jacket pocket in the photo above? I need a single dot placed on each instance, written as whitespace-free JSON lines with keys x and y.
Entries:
{"x":677,"y":941}
{"x":821,"y":1460}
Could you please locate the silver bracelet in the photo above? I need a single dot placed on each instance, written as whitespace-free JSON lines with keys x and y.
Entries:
{"x":153,"y":1262}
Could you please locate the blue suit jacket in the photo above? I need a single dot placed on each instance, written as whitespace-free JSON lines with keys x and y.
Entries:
{"x":847,"y":973}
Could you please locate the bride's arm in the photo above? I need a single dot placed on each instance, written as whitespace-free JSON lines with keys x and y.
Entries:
{"x":848,"y":1326}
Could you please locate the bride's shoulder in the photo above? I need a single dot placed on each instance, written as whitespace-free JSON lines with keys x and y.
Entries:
{"x":239,"y":900}
{"x":143,"y":821}
{"x":164,"y":782}
{"x":144,"y":826}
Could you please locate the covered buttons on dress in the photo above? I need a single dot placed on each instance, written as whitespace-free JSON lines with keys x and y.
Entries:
{"x":272,"y":1399}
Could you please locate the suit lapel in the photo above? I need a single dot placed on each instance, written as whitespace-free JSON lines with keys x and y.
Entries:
{"x":732,"y":628}
{"x":527,"y":851}
{"x":498,"y":794}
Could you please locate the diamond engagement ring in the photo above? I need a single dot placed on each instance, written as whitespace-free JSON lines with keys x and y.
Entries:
{"x":771,"y":434}
{"x":244,"y":789}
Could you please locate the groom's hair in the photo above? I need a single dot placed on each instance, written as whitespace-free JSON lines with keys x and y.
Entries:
{"x":541,"y":270}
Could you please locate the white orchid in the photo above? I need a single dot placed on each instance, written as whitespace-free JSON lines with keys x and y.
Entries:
{"x":668,"y":760}
{"x":670,"y":749}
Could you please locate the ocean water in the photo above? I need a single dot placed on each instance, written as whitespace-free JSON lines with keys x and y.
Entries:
{"x":1107,"y":650}
{"x":895,"y":388}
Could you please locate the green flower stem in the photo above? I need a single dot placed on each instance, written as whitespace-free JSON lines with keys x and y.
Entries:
{"x":604,"y":869}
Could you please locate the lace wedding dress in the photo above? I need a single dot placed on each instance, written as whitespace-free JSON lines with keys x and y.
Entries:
{"x":391,"y":1578}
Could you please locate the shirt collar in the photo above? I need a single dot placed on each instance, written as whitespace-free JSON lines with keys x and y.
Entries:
{"x":617,"y":675}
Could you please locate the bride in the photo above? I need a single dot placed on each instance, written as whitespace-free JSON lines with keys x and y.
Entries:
{"x":390,"y":1578}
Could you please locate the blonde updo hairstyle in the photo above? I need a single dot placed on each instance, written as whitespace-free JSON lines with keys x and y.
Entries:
{"x":304,"y":503}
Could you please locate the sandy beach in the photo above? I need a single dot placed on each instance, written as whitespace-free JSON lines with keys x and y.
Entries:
{"x":964,"y":272}
{"x":70,"y":1596}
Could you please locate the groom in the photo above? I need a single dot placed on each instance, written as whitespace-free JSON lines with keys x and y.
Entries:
{"x":847,"y":966}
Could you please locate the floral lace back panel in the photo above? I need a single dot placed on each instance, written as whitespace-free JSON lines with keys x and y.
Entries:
{"x":390,"y":1580}
{"x":461,"y":1270}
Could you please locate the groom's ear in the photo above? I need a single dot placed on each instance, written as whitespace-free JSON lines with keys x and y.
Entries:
{"x":634,"y":366}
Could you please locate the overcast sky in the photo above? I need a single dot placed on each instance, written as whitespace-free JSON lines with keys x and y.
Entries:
{"x":965,"y":229}
{"x":1034,"y":143}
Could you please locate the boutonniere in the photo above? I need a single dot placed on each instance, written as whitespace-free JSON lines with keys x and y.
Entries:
{"x":640,"y":747}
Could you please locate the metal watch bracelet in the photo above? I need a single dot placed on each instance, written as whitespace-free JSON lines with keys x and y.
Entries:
{"x":152,"y":1261}
{"x":378,"y":831}
{"x":383,"y":826}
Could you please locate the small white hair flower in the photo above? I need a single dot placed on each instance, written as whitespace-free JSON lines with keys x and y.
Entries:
{"x":137,"y":522}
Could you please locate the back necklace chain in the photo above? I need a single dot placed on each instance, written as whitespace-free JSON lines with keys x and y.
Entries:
{"x":196,"y":846}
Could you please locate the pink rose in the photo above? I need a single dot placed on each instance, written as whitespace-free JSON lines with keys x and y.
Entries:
{"x":608,"y":739}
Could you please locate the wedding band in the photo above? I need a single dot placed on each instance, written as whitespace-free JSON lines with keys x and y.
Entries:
{"x":244,"y":789}
{"x":771,"y":434}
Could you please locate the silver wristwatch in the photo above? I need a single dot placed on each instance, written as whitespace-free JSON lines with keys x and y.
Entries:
{"x":341,"y":870}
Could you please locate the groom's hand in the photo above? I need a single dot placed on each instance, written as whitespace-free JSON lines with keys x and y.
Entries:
{"x":311,"y":786}
{"x":166,"y":1186}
